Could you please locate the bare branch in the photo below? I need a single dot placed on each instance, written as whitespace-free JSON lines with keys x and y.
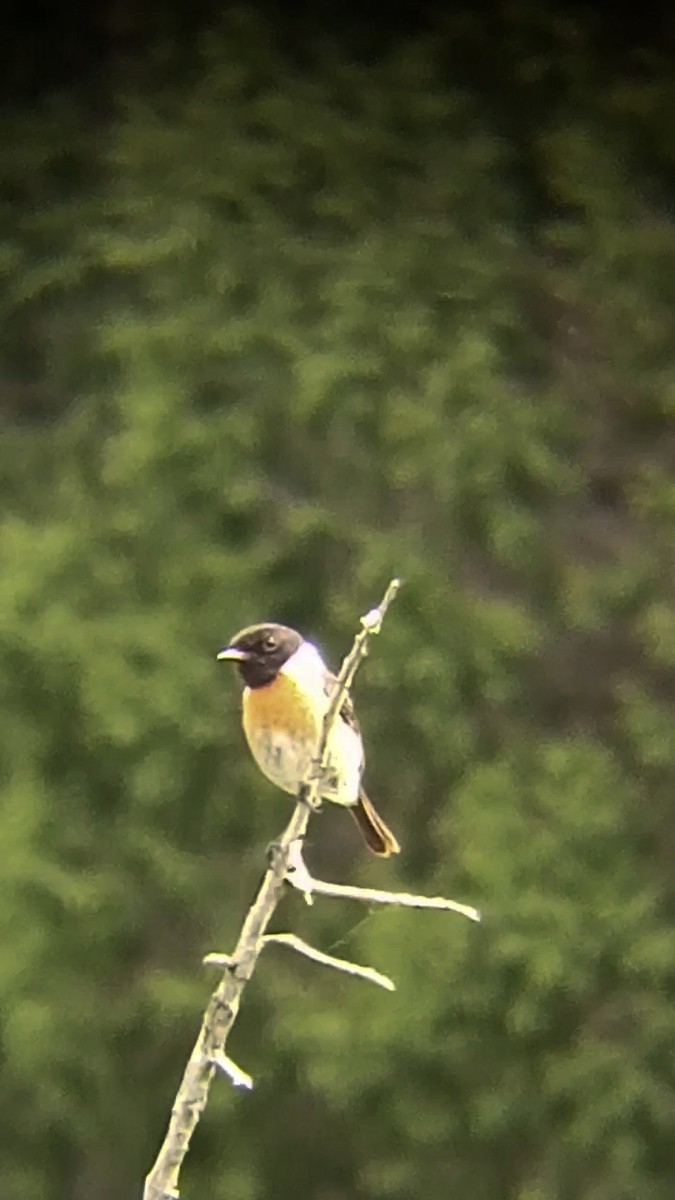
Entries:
{"x":300,"y":878}
{"x":218,"y":960}
{"x":222,"y":1009}
{"x":286,"y":865}
{"x":229,"y":1067}
{"x":328,"y":960}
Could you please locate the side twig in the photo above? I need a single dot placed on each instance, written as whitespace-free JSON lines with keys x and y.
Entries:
{"x":329,"y":960}
{"x":209,"y":1050}
{"x":300,"y":878}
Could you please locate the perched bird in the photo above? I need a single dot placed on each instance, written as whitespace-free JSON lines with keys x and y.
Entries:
{"x":287,"y":689}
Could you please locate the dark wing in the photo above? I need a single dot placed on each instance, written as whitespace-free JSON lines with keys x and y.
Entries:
{"x":347,"y":708}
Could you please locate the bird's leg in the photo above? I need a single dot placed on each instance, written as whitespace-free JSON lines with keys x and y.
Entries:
{"x":327,"y":776}
{"x":313,"y":803}
{"x":272,"y":853}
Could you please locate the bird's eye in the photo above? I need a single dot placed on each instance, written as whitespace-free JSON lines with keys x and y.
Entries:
{"x":269,"y":644}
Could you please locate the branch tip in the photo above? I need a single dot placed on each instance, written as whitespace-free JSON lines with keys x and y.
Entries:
{"x":218,"y":960}
{"x":225,"y":1064}
{"x":372,"y":621}
{"x":300,"y":878}
{"x":329,"y":960}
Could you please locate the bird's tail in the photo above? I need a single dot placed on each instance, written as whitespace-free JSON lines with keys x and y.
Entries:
{"x":379,"y":837}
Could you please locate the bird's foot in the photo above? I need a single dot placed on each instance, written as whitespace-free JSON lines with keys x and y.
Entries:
{"x":274,"y":849}
{"x":305,"y":797}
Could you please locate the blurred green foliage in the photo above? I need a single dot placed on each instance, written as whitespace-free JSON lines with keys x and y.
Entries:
{"x":271,"y":333}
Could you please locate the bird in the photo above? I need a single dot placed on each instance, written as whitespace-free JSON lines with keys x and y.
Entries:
{"x":287,"y":690}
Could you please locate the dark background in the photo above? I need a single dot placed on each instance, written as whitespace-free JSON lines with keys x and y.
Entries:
{"x":291,"y":302}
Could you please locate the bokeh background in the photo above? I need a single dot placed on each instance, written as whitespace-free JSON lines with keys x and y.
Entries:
{"x":293,"y":300}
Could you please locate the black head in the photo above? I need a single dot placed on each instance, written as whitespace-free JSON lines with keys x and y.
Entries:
{"x":260,"y":652}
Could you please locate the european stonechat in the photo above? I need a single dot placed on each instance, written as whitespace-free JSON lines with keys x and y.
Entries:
{"x":287,"y":689}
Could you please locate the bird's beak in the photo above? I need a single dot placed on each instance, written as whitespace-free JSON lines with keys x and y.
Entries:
{"x":232,"y":654}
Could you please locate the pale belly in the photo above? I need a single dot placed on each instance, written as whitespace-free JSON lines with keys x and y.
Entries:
{"x":285,"y":759}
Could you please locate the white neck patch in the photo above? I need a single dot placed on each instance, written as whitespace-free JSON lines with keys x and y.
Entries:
{"x":306,"y":666}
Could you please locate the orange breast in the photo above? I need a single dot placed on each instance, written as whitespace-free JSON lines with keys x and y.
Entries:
{"x":280,"y":706}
